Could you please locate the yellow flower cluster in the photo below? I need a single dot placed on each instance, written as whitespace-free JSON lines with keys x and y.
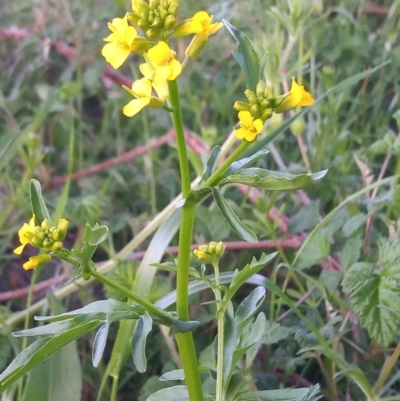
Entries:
{"x":262,"y":104}
{"x":43,"y":236}
{"x":157,"y":19}
{"x":211,"y":252}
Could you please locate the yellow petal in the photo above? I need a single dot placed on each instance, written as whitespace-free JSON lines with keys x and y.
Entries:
{"x":296,"y":93}
{"x":142,"y":88}
{"x":162,"y":73}
{"x":241,"y":133}
{"x":202,"y":16}
{"x":258,"y":125}
{"x":176,"y":69}
{"x":188,"y":27}
{"x":245,"y":117}
{"x":160,"y":53}
{"x":147,"y":71}
{"x":161,"y":89}
{"x":36,"y":261}
{"x":130,"y":35}
{"x":114,"y":54}
{"x":306,"y":100}
{"x":134,"y":106}
{"x":118,"y":24}
{"x":215,"y":28}
{"x":19,"y":250}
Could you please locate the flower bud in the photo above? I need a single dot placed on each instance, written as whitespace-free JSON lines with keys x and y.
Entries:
{"x":211,"y":247}
{"x":62,"y":228}
{"x":298,"y":126}
{"x":36,"y":242}
{"x":202,"y":256}
{"x":196,"y":46}
{"x":45,"y":224}
{"x":143,"y":24}
{"x":173,"y":8}
{"x":251,"y":97}
{"x":158,"y":23}
{"x":56,"y":246}
{"x":255,"y":111}
{"x":46,"y":244}
{"x":264,"y":104}
{"x":164,"y":4}
{"x":36,"y":261}
{"x":260,"y":88}
{"x":266,"y":114}
{"x":169,"y":22}
{"x":220,"y":249}
{"x":241,"y":106}
{"x":134,"y":18}
{"x":163,"y":14}
{"x":153,"y":33}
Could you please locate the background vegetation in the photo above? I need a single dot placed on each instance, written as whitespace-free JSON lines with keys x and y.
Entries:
{"x":54,"y":84}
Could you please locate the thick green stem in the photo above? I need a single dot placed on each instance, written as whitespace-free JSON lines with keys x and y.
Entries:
{"x":184,"y":340}
{"x":386,"y":370}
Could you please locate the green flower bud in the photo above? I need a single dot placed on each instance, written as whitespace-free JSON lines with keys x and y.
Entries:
{"x":260,"y":88}
{"x":173,"y":9}
{"x":47,"y":243}
{"x":158,"y":23}
{"x":169,"y":22}
{"x":241,"y":106}
{"x":163,"y":14}
{"x":143,"y":24}
{"x":153,"y":33}
{"x":45,"y":224}
{"x":220,"y":249}
{"x":133,"y":18}
{"x":41,"y":235}
{"x":251,"y":97}
{"x":56,"y":246}
{"x":150,"y":20}
{"x":36,"y":242}
{"x":62,"y":228}
{"x":266,"y":114}
{"x":255,"y":111}
{"x":164,"y":4}
{"x":211,"y":247}
{"x":264,"y":104}
{"x":298,"y":126}
{"x":267,"y":93}
{"x":56,"y":235}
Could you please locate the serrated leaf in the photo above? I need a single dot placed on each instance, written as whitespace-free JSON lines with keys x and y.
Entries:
{"x":244,"y":163}
{"x":142,"y":329}
{"x":232,"y":219}
{"x":245,"y":56}
{"x":272,"y":180}
{"x":211,"y":163}
{"x":375,"y":297}
{"x":39,"y":208}
{"x":350,"y":252}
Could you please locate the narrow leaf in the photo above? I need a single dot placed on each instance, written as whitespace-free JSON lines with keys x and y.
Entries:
{"x":169,"y":394}
{"x":142,"y":329}
{"x":211,"y":163}
{"x":232,"y":219}
{"x":99,"y":344}
{"x":245,"y":56}
{"x":39,"y":208}
{"x":245,"y":162}
{"x":250,"y":304}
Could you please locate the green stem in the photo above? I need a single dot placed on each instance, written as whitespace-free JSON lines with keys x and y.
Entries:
{"x":229,"y":160}
{"x":114,"y":389}
{"x":387,"y":368}
{"x":220,"y":352}
{"x":185,"y":341}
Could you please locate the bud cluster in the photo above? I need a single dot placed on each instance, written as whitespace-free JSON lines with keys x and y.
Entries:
{"x":47,"y":236}
{"x":154,"y":17}
{"x":260,"y":104}
{"x":211,"y":252}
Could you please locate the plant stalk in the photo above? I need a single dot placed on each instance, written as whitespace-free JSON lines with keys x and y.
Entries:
{"x":184,"y":340}
{"x":387,"y":368}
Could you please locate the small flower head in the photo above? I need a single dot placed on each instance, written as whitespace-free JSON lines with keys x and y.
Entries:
{"x":201,"y":24}
{"x":211,"y":252}
{"x":249,"y":128}
{"x":141,"y":90}
{"x":43,"y":236}
{"x":296,"y":97}
{"x":163,"y":65}
{"x":36,"y":261}
{"x":120,"y":41}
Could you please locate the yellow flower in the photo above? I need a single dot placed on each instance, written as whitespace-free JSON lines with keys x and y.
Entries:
{"x":141,"y":90}
{"x":201,"y":24}
{"x":36,"y":261}
{"x":296,"y":97}
{"x":26,"y":233}
{"x":120,"y":42}
{"x":163,"y":65}
{"x":249,"y":129}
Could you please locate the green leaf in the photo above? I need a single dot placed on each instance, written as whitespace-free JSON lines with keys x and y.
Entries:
{"x":350,"y":252}
{"x":317,"y":249}
{"x":170,"y":394}
{"x":179,"y":374}
{"x":250,"y":304}
{"x":232,"y":219}
{"x":298,"y":394}
{"x":244,"y":162}
{"x":59,"y":377}
{"x":40,"y":350}
{"x":272,"y":180}
{"x":142,"y":329}
{"x":245,"y":56}
{"x":95,"y":235}
{"x":98,"y":307}
{"x":99,"y":344}
{"x":39,"y":208}
{"x":182,"y":326}
{"x":211,"y":163}
{"x":375,"y":297}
